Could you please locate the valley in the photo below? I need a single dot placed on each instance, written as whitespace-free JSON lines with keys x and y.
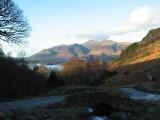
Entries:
{"x":79,"y":60}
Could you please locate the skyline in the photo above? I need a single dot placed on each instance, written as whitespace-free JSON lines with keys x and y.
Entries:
{"x":57,"y":22}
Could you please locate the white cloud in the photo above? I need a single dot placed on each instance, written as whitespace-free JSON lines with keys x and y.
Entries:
{"x":93,"y":36}
{"x":134,"y":27}
{"x":141,"y":18}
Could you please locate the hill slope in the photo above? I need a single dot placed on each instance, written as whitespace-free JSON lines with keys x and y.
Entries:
{"x":105,"y":50}
{"x":146,"y":50}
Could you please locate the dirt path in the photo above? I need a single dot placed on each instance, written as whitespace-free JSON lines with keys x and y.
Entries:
{"x":35,"y":102}
{"x":31,"y":103}
{"x":138,"y":95}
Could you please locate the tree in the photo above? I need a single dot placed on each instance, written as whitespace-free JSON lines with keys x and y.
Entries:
{"x":21,"y":59}
{"x":91,"y":58}
{"x":52,"y":81}
{"x":1,"y":51}
{"x":36,"y":68}
{"x":9,"y":54}
{"x":14,"y":27}
{"x":21,"y":54}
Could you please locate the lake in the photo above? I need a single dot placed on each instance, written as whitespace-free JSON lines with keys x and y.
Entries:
{"x":57,"y":67}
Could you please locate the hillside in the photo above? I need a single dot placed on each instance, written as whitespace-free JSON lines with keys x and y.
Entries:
{"x":146,"y":50}
{"x":138,"y":65}
{"x":105,"y":50}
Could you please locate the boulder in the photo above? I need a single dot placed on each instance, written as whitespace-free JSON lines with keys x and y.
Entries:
{"x":2,"y":116}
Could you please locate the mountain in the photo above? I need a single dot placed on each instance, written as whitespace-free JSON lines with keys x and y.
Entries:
{"x":107,"y":47}
{"x":146,"y":50}
{"x":105,"y":50}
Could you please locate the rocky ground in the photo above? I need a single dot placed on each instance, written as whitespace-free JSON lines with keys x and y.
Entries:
{"x":75,"y":107}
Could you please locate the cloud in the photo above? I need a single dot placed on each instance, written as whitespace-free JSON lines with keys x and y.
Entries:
{"x":93,"y":36}
{"x":141,"y":18}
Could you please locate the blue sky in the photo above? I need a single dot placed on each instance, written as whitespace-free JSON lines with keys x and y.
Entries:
{"x":57,"y":22}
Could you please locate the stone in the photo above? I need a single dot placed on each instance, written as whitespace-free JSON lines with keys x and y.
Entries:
{"x":40,"y":113}
{"x":8,"y":118}
{"x":24,"y":117}
{"x":119,"y":116}
{"x":2,"y":116}
{"x":30,"y":117}
{"x":17,"y":112}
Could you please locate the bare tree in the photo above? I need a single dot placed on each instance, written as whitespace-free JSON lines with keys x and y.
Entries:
{"x":21,"y":54}
{"x":14,"y":27}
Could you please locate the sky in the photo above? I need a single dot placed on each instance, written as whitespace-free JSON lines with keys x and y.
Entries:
{"x":56,"y":22}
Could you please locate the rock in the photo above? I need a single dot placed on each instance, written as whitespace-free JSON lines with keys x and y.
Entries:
{"x":40,"y":113}
{"x":17,"y":112}
{"x":2,"y":116}
{"x":85,"y":115}
{"x":30,"y":117}
{"x":126,"y":72}
{"x":119,"y":116}
{"x":24,"y":117}
{"x":8,"y":118}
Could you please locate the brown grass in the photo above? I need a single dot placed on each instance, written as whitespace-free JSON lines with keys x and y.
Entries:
{"x":136,"y":76}
{"x":141,"y":54}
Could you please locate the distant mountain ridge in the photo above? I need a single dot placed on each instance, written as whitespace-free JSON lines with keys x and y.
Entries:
{"x":104,"y":50}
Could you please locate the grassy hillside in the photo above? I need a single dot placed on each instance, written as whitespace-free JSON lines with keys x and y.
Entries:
{"x":147,"y":49}
{"x":136,"y":63}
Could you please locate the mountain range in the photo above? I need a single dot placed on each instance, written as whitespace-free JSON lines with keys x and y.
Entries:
{"x":105,"y":50}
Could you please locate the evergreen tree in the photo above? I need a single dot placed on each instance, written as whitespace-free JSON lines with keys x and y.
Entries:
{"x":52,"y":81}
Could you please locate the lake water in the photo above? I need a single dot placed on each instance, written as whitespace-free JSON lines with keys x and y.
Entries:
{"x":57,"y":67}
